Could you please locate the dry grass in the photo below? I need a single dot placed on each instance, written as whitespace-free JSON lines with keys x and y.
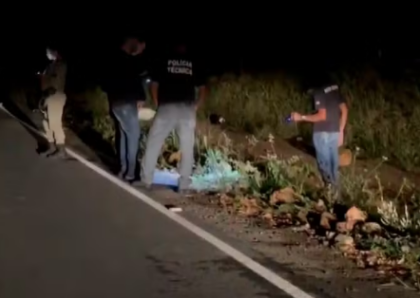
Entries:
{"x":384,"y":118}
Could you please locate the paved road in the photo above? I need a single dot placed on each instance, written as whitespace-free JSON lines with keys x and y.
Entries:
{"x":67,"y":232}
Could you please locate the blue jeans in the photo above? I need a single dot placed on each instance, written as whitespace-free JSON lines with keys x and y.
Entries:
{"x":127,"y":117}
{"x":326,"y":148}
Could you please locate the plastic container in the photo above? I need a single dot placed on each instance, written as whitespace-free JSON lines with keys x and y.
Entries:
{"x":165,"y":177}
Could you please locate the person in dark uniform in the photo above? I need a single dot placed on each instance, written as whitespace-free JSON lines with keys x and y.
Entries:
{"x":329,"y":121}
{"x":124,"y":87}
{"x":178,"y":89}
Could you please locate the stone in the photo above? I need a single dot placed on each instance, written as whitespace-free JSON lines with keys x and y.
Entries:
{"x":320,"y":206}
{"x":341,"y":227}
{"x":372,"y":228}
{"x":283,"y":196}
{"x":344,"y":243}
{"x":249,"y":207}
{"x":353,"y":216}
{"x":302,"y":216}
{"x":269,"y":219}
{"x":326,"y":218}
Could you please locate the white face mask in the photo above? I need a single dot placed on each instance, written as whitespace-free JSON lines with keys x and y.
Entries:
{"x":51,"y":56}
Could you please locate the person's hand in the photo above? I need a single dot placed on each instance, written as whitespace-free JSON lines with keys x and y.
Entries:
{"x":140,"y":104}
{"x":296,"y":117}
{"x":341,"y":138}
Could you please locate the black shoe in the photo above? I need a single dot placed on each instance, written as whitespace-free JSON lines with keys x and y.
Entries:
{"x":60,"y":153}
{"x":121,"y":175}
{"x":129,"y":179}
{"x":47,"y":150}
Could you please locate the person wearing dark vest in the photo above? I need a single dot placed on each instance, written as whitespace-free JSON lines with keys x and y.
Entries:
{"x":176,"y":80}
{"x":329,"y":122}
{"x":124,"y":87}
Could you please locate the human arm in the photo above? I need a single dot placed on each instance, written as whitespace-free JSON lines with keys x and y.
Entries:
{"x":343,"y":120}
{"x":344,"y":114}
{"x":154,"y":90}
{"x":200,"y":84}
{"x":320,"y":115}
{"x":156,"y":68}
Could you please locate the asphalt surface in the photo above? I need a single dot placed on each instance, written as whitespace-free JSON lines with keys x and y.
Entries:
{"x":65,"y":232}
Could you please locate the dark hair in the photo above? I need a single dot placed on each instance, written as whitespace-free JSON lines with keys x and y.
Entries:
{"x":132,"y":35}
{"x":317,"y":80}
{"x":56,"y":48}
{"x":53,"y":47}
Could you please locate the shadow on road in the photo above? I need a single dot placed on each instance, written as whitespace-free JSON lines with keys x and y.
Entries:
{"x":42,"y":143}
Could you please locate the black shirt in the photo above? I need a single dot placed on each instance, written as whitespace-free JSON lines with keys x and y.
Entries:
{"x":177,"y":75}
{"x":122,"y":80}
{"x":330,"y":99}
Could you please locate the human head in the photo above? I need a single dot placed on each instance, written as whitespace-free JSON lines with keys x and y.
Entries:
{"x":133,"y":45}
{"x":177,"y":45}
{"x":318,"y":81}
{"x":180,"y":47}
{"x":52,"y":54}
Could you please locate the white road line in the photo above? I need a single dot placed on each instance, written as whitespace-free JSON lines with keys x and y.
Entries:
{"x":246,"y":261}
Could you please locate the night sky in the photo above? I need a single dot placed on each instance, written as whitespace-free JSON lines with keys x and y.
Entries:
{"x":254,"y":38}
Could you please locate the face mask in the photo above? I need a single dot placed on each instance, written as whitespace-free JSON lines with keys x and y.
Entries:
{"x":133,"y":49}
{"x":50,"y":56}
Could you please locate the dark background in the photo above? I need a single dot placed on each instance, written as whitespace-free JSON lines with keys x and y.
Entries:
{"x":302,"y":40}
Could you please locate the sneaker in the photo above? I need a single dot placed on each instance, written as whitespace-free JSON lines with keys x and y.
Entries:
{"x":121,"y":175}
{"x":127,"y":179}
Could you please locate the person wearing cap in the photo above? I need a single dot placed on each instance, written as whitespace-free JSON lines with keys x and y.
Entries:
{"x":329,"y":122}
{"x":123,"y":84}
{"x":52,"y":102}
{"x":176,"y":79}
